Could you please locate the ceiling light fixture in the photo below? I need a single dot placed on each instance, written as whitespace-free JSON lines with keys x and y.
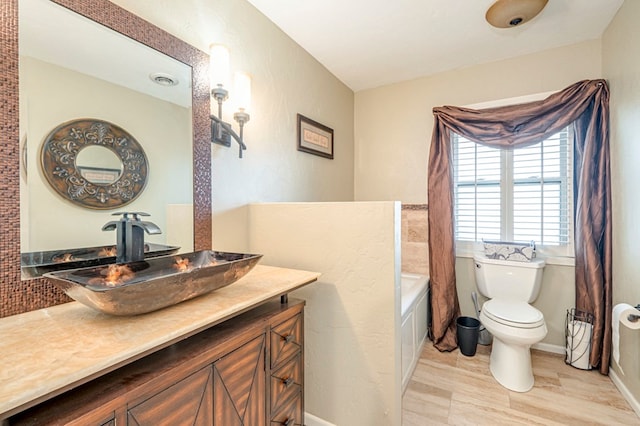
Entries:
{"x":163,"y":79}
{"x":512,"y":13}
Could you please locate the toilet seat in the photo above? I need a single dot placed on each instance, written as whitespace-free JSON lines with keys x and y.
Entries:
{"x":513,"y":313}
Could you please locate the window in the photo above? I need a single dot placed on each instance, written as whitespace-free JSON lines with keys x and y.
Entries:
{"x":522,"y":194}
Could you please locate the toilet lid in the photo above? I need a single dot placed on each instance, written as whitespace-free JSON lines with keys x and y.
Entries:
{"x":515,"y":314}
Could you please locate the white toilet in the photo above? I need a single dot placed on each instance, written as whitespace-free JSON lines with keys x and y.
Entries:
{"x":514,"y":324}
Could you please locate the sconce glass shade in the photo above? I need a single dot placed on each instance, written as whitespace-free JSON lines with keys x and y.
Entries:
{"x":242,"y":91}
{"x":219,"y":65}
{"x":511,"y":13}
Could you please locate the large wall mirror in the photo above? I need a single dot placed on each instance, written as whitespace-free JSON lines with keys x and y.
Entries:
{"x":44,"y":91}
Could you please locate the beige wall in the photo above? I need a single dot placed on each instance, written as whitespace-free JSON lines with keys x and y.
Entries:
{"x":393,"y":124}
{"x":352,"y":320}
{"x":621,"y":67}
{"x":393,"y":133}
{"x":52,"y":95}
{"x":286,"y":80}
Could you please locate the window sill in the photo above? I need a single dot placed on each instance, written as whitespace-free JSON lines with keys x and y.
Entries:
{"x":551,"y":260}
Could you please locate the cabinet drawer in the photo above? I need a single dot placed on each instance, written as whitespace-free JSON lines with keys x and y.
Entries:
{"x":286,"y":383}
{"x":286,"y":340}
{"x":290,"y":414}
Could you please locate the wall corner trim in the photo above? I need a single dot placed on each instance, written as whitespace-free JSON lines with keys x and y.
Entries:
{"x":633,"y":402}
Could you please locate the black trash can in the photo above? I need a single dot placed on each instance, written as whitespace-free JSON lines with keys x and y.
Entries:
{"x":468,"y":329}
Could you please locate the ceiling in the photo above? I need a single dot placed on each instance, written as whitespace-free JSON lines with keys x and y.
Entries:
{"x":73,"y":47}
{"x":371,"y":43}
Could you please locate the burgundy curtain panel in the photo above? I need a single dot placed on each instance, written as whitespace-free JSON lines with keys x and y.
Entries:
{"x":584,"y":106}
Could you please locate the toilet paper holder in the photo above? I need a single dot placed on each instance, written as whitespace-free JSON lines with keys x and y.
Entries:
{"x":578,"y":332}
{"x":634,"y":317}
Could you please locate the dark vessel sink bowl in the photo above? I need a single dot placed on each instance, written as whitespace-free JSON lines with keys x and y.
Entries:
{"x":36,"y":264}
{"x":140,"y":287}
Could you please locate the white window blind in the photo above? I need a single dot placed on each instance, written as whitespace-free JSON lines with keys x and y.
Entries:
{"x":515,"y":195}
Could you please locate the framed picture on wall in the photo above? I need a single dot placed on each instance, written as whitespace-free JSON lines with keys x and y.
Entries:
{"x":314,"y":138}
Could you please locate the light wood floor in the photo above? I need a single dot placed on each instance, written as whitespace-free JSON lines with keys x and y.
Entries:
{"x":452,"y":389}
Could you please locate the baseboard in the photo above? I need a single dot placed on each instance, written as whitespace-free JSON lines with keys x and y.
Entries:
{"x":633,"y":402}
{"x":311,"y":420}
{"x":547,"y":347}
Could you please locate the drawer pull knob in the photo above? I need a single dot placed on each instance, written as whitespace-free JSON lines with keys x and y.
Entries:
{"x":288,"y":381}
{"x":288,"y":422}
{"x":288,"y":338}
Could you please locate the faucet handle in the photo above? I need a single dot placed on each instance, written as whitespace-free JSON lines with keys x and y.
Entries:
{"x":110,"y":226}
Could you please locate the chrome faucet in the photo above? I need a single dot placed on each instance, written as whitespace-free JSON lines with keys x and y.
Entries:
{"x":130,"y":235}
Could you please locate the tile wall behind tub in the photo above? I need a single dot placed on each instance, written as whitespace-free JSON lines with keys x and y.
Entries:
{"x":415,"y":239}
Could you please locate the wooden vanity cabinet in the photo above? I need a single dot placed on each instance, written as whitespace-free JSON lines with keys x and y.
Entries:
{"x":248,"y":371}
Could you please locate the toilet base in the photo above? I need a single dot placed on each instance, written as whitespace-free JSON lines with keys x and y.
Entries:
{"x":510,"y":365}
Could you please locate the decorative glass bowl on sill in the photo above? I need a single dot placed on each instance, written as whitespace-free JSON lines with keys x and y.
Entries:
{"x":140,"y":287}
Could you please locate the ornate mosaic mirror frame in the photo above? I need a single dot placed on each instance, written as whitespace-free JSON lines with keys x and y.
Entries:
{"x":94,"y":188}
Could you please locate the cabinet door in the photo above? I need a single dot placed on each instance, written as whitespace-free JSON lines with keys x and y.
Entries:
{"x":239,"y":385}
{"x":187,"y":402}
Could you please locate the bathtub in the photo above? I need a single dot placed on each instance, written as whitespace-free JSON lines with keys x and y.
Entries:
{"x":414,"y":303}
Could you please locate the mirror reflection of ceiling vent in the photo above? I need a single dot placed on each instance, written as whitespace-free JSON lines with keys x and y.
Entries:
{"x":163,"y":79}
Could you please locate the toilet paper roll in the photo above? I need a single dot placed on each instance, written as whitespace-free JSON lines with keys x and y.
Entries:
{"x":630,"y":323}
{"x":620,"y":315}
{"x":579,"y":344}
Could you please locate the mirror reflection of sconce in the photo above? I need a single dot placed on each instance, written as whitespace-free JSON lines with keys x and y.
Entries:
{"x":222,"y":132}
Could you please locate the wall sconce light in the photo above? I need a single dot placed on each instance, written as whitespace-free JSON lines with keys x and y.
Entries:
{"x":222,"y":132}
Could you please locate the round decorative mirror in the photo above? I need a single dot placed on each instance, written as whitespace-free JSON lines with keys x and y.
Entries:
{"x":94,"y":163}
{"x":98,"y":164}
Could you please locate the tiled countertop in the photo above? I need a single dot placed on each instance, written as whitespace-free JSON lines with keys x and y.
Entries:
{"x":45,"y":352}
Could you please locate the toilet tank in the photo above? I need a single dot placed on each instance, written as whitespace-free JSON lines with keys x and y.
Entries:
{"x":508,"y":279}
